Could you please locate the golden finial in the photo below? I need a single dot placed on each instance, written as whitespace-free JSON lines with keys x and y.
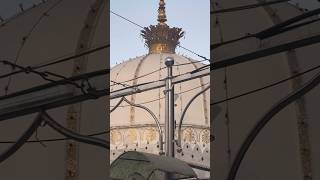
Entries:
{"x":162,"y":18}
{"x":161,"y":38}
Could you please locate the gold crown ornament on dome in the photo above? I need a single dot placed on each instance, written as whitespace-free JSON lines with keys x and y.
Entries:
{"x":161,"y":38}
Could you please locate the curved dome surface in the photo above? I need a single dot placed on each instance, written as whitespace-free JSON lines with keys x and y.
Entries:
{"x":134,"y":129}
{"x":50,"y":31}
{"x":140,"y":66}
{"x":287,"y":147}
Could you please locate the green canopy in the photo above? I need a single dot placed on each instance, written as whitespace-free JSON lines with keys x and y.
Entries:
{"x":135,"y":165}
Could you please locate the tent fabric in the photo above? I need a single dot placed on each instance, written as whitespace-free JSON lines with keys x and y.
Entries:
{"x":149,"y":166}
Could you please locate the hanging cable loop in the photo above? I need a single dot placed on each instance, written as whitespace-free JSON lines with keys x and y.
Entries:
{"x":184,"y":113}
{"x":311,"y":84}
{"x":117,"y":105}
{"x":73,"y":135}
{"x":22,"y":140}
{"x":155,"y":119}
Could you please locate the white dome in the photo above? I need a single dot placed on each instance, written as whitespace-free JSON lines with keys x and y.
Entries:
{"x":281,"y":149}
{"x":154,"y":99}
{"x":133,"y":128}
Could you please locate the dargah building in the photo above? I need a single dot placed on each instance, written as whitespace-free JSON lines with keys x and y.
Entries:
{"x":133,"y":128}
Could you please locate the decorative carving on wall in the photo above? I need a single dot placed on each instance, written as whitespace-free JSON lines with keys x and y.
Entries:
{"x":205,"y":136}
{"x":149,"y":136}
{"x":189,"y":135}
{"x":131,"y":136}
{"x":196,"y":142}
{"x":116,"y":137}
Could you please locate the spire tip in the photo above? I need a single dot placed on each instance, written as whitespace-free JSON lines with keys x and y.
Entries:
{"x":162,"y":18}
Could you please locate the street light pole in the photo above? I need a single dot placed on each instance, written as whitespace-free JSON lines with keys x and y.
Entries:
{"x":169,"y":109}
{"x":169,"y":112}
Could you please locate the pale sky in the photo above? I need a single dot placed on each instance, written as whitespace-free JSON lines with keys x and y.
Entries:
{"x":190,"y":15}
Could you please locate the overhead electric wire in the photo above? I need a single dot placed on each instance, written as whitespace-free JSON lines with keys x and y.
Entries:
{"x":296,"y":44}
{"x":117,"y":105}
{"x":206,"y":59}
{"x":75,"y":56}
{"x":214,"y":46}
{"x":276,"y":29}
{"x":292,"y":27}
{"x":136,"y":87}
{"x":27,"y":70}
{"x":127,"y":19}
{"x":144,"y":75}
{"x":22,"y":140}
{"x":43,"y":75}
{"x":251,"y":6}
{"x":184,"y":113}
{"x":119,"y":83}
{"x":267,"y":86}
{"x":157,"y":99}
{"x":266,"y":52}
{"x":73,"y":135}
{"x":157,"y":70}
{"x":193,"y":62}
{"x":261,"y":53}
{"x":273,"y":30}
{"x":266,"y":118}
{"x":81,"y":77}
{"x":136,"y":24}
{"x":53,"y":139}
{"x":150,"y":82}
{"x":154,"y":118}
{"x":67,"y":55}
{"x":44,"y":117}
{"x":58,"y":61}
{"x":27,"y":36}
